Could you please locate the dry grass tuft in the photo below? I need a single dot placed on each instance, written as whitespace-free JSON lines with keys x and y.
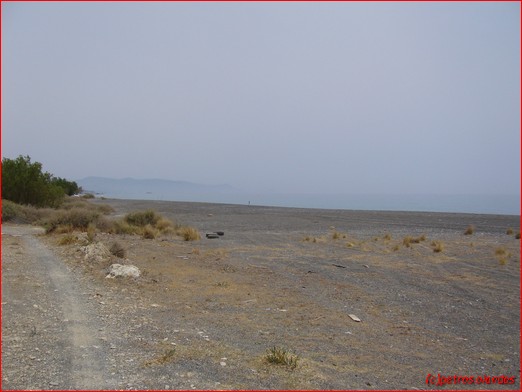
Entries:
{"x":407,"y":241}
{"x":165,"y":226}
{"x":437,"y":246}
{"x":469,"y":230}
{"x":509,"y":231}
{"x":68,"y":239}
{"x":281,"y":356}
{"x":122,"y":227}
{"x":91,"y":232}
{"x":500,"y":251}
{"x":76,"y":218}
{"x":189,"y":233}
{"x":142,"y":218}
{"x":502,"y":255}
{"x":117,"y":250}
{"x":149,"y":232}
{"x":64,"y":229}
{"x":167,"y":356}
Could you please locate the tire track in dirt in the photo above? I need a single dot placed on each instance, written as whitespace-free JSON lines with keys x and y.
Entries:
{"x":81,"y":352}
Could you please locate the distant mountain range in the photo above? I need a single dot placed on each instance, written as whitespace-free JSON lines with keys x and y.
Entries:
{"x":151,"y":188}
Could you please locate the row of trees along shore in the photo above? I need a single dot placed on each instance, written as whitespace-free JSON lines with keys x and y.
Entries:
{"x":24,"y":182}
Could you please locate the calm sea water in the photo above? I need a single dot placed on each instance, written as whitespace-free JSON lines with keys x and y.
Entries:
{"x":478,"y":204}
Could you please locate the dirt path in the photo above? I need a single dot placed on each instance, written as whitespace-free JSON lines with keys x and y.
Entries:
{"x":53,"y":341}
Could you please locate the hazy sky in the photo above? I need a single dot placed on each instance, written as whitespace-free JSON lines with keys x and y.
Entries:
{"x":306,"y":97}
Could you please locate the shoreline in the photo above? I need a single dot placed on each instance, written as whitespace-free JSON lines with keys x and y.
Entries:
{"x":495,"y":204}
{"x":343,"y":210}
{"x":238,"y":217}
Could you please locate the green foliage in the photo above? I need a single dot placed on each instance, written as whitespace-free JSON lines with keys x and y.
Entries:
{"x":69,"y":187}
{"x":24,"y":182}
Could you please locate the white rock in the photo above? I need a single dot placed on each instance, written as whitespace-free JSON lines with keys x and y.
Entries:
{"x":354,"y":318}
{"x":118,"y":270}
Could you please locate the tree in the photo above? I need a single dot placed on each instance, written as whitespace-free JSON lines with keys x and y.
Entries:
{"x":24,"y":182}
{"x":70,"y":187}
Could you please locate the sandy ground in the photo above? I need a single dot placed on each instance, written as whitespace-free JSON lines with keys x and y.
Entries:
{"x":204,"y":313}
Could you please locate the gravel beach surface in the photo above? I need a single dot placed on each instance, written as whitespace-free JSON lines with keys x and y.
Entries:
{"x":434,"y":304}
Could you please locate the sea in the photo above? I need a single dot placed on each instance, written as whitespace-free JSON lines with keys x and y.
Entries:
{"x":473,"y":204}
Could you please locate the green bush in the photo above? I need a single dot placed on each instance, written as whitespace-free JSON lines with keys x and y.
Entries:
{"x":69,"y":187}
{"x":24,"y":182}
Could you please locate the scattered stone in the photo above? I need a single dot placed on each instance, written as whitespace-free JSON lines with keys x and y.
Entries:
{"x":354,"y":317}
{"x":118,"y":270}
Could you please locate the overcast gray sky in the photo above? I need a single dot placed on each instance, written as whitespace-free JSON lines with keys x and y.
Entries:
{"x":284,"y":97}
